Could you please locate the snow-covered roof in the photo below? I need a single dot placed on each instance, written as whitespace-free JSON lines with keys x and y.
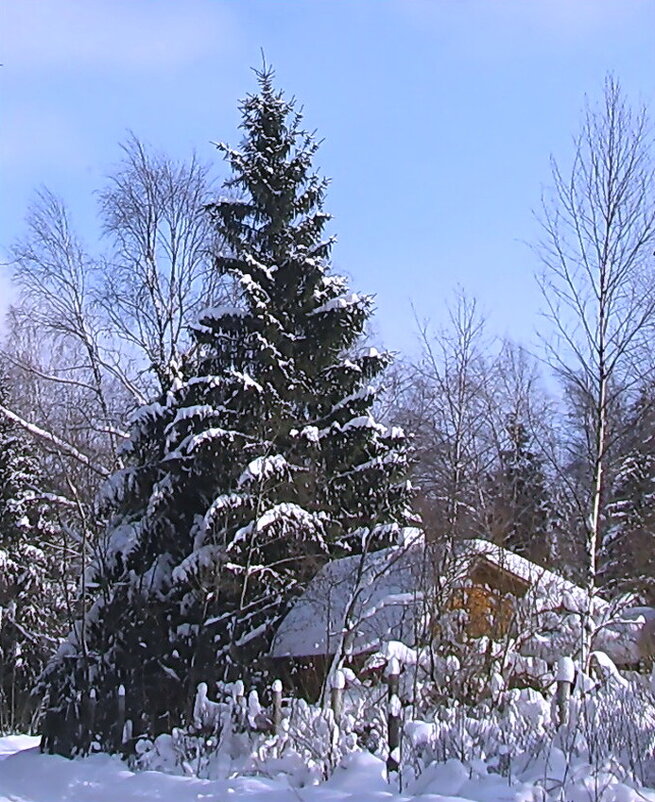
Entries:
{"x":546,"y":587}
{"x":380,"y":595}
{"x":551,"y":613}
{"x":506,"y":559}
{"x":378,"y":591}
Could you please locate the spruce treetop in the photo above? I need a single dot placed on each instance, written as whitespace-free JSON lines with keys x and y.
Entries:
{"x":274,"y":229}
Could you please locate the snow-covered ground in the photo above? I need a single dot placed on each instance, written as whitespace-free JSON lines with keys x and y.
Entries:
{"x":28,"y":776}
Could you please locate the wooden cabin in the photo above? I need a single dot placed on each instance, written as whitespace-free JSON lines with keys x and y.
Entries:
{"x":401,"y":594}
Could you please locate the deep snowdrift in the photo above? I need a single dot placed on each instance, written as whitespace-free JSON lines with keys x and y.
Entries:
{"x":28,"y":776}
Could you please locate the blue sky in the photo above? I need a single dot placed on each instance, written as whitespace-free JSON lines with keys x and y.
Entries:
{"x":439,"y":118}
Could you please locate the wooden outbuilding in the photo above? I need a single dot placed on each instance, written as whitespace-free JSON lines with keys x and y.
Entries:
{"x":359,"y":603}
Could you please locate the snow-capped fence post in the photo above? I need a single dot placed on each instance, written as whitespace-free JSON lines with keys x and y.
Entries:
{"x":239,"y":705}
{"x":254,"y":710}
{"x":336,"y":695}
{"x":393,"y":716}
{"x":565,"y":678}
{"x":277,"y":705}
{"x":120,"y":716}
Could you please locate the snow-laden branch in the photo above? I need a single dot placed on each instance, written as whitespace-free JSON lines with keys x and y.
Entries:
{"x":49,"y":437}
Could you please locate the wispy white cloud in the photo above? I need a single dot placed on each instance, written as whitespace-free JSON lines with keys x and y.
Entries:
{"x":121,"y":35}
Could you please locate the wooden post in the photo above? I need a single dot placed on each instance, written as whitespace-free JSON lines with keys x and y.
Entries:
{"x":393,"y":716}
{"x":120,"y":716}
{"x":277,"y":705}
{"x":238,"y":690}
{"x":254,"y":709}
{"x":88,"y":719}
{"x":127,"y":734}
{"x":336,"y":695}
{"x":239,"y":708}
{"x":565,"y":678}
{"x":93,"y":703}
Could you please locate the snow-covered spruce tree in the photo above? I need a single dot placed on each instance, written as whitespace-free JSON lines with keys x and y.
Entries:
{"x":521,"y":514}
{"x":32,"y":601}
{"x":261,"y":463}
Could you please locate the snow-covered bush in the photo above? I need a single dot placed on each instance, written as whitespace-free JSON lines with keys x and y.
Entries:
{"x":614,"y":723}
{"x":461,"y":701}
{"x":236,"y":735}
{"x":495,"y":732}
{"x":217,"y":737}
{"x":607,"y":745}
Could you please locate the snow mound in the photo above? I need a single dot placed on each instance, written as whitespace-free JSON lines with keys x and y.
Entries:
{"x":29,"y":776}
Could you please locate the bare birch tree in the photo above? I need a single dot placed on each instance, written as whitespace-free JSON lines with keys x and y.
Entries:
{"x":446,"y":408}
{"x":93,"y":337}
{"x":596,"y":279}
{"x":159,"y":272}
{"x":70,"y":400}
